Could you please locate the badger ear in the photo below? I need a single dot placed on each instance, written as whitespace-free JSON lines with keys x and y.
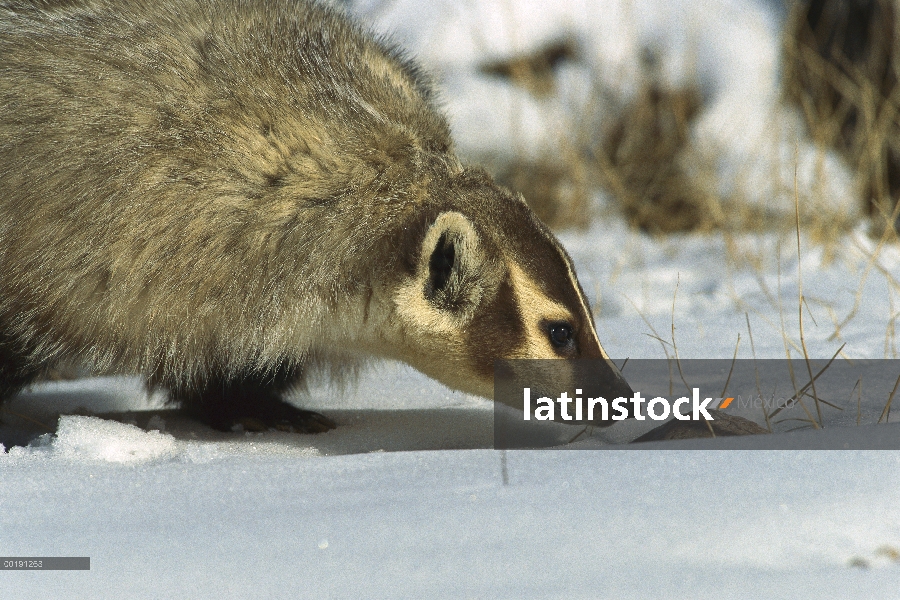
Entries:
{"x":450,"y":263}
{"x":441,"y":266}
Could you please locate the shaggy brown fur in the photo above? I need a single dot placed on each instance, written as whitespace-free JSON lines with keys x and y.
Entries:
{"x":215,"y":193}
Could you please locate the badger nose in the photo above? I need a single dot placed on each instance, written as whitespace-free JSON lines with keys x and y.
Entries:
{"x":611,"y":382}
{"x":606,"y":380}
{"x":620,"y":387}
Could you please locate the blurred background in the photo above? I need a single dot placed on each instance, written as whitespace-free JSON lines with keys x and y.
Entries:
{"x":678,"y":115}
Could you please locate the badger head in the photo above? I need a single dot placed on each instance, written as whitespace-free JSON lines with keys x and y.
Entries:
{"x":486,"y":280}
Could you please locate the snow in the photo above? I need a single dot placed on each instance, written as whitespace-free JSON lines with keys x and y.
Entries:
{"x":90,"y":438}
{"x":444,"y":524}
{"x":406,"y":499}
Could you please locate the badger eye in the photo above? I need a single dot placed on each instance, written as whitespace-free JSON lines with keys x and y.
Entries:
{"x":560,"y":334}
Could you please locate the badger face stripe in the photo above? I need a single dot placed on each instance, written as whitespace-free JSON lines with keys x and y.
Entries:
{"x":586,"y":311}
{"x":535,"y":310}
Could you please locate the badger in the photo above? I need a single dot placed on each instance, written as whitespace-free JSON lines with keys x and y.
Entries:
{"x":219,"y":195}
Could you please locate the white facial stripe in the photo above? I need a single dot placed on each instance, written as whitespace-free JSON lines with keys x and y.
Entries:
{"x":534,"y":307}
{"x":413,"y":308}
{"x":434,"y":343}
{"x":588,"y":316}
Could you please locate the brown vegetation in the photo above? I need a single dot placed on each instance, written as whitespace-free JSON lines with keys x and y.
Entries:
{"x":640,"y":161}
{"x":840,"y":68}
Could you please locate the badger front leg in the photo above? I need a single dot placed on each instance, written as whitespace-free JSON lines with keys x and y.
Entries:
{"x":252,"y":400}
{"x":16,"y":371}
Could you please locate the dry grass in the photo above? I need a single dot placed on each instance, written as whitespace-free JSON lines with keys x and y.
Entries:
{"x":641,"y":159}
{"x":557,"y":187}
{"x":638,"y":156}
{"x":840,"y":69}
{"x":558,"y":193}
{"x":534,"y":71}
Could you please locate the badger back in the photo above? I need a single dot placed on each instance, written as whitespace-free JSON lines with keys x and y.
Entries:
{"x":183,"y":182}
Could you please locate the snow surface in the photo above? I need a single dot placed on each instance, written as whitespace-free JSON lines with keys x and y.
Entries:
{"x":405,"y":500}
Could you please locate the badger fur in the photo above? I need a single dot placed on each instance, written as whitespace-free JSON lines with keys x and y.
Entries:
{"x":216,"y":194}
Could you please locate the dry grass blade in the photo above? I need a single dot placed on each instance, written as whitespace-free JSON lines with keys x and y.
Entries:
{"x":857,"y":301}
{"x":675,"y":347}
{"x":756,"y":373}
{"x":823,"y":401}
{"x":886,"y":413}
{"x":731,"y":370}
{"x":656,"y":337}
{"x":580,"y":433}
{"x":858,"y":387}
{"x":800,"y":304}
{"x":802,"y":390}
